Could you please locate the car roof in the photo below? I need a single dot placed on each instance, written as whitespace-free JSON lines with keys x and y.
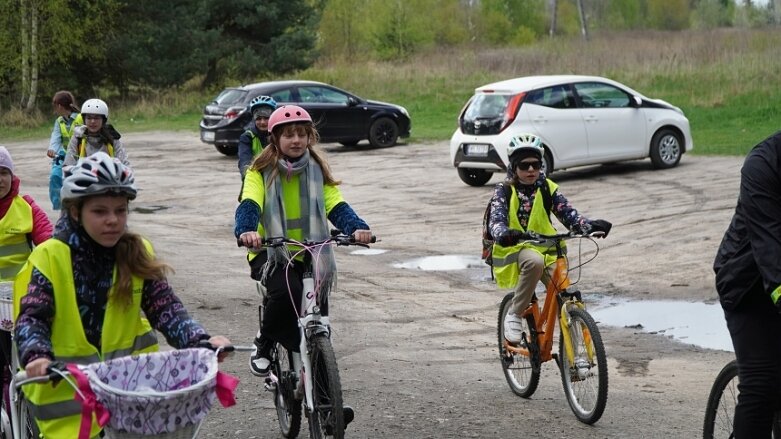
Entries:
{"x":278,"y":84}
{"x":526,"y":83}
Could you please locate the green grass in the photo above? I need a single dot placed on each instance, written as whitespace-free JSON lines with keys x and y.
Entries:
{"x":724,"y":80}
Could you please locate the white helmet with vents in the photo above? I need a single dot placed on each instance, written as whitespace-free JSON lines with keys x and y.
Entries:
{"x":99,"y":174}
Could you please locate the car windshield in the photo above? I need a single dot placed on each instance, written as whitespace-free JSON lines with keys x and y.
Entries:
{"x":485,"y":113}
{"x":230,"y":96}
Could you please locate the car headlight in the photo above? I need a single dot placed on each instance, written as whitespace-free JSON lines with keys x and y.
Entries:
{"x":403,"y":111}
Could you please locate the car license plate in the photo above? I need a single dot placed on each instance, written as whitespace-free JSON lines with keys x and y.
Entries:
{"x":207,"y":136}
{"x":477,"y":150}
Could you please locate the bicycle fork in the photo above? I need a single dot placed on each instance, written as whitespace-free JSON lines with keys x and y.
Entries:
{"x":565,"y":325}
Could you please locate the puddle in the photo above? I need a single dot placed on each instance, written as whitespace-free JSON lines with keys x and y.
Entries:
{"x":369,"y":251}
{"x":699,"y":324}
{"x":442,"y":263}
{"x":149,"y":209}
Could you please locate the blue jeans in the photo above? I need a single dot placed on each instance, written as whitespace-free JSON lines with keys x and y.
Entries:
{"x":55,"y":181}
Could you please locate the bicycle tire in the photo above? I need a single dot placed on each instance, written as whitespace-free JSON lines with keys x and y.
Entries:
{"x":327,"y":419}
{"x":521,"y":372}
{"x":287,"y":406}
{"x":585,"y":385}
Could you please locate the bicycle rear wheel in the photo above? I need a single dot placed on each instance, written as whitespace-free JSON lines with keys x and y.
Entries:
{"x":327,"y":420}
{"x":585,"y":383}
{"x":522,"y":372}
{"x":288,"y":408}
{"x":720,"y":411}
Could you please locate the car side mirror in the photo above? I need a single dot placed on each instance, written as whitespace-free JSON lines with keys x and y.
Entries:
{"x":637,"y":101}
{"x":351,"y":101}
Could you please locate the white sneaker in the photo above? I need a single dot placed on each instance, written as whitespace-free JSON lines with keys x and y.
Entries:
{"x":513,"y":328}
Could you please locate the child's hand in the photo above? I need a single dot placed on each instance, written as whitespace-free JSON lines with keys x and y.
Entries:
{"x":37,"y":367}
{"x":363,"y":236}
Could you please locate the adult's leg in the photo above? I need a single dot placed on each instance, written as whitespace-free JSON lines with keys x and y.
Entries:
{"x":755,"y":326}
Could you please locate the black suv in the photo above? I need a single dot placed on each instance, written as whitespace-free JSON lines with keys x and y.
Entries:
{"x":339,"y":116}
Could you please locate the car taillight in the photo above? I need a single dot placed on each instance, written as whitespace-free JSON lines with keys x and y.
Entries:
{"x":512,"y":110}
{"x":232,"y":113}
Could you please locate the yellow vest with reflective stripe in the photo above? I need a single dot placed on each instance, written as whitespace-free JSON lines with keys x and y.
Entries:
{"x":125,"y":332}
{"x":254,"y":189}
{"x":505,"y":259}
{"x":256,"y":146}
{"x":67,"y":132}
{"x":83,"y":148}
{"x":14,"y":228}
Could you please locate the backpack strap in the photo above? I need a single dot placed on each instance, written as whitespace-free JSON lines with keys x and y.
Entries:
{"x":547,"y":198}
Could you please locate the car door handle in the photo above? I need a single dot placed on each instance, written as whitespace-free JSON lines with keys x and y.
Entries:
{"x":590,"y":118}
{"x":540,"y":119}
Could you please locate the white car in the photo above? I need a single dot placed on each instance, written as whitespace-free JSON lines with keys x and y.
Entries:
{"x":582,"y":120}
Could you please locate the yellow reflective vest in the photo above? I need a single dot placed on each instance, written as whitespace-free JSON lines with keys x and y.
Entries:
{"x":255,"y":190}
{"x":67,"y":132}
{"x":83,"y":148}
{"x":125,"y":332}
{"x":505,"y":259}
{"x":15,"y":227}
{"x":256,"y":146}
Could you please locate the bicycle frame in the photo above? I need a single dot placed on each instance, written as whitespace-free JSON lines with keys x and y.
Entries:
{"x":545,"y":319}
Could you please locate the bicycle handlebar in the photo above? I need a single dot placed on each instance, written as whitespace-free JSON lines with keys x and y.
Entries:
{"x":538,"y":238}
{"x":337,"y":237}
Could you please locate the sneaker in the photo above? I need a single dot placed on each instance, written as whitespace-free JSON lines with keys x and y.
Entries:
{"x":259,"y":365}
{"x":513,"y":328}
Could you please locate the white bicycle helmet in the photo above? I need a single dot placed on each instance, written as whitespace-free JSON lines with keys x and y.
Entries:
{"x":525,"y":142}
{"x":96,"y":175}
{"x":95,"y":106}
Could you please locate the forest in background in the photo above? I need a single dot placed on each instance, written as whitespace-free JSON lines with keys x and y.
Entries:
{"x":157,"y":67}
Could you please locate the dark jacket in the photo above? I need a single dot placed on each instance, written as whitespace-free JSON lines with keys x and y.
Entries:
{"x":245,"y":147}
{"x":749,"y":257}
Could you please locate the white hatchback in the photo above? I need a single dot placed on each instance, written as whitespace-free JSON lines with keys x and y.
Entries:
{"x":582,"y":120}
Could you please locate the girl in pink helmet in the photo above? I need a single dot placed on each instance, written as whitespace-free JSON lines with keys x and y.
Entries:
{"x":289,"y":191}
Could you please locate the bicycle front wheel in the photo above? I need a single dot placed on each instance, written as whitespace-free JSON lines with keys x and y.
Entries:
{"x":327,"y":419}
{"x":288,"y":407}
{"x":521,"y":370}
{"x":584,"y":376}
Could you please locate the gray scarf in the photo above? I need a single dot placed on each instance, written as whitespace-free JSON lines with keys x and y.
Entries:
{"x":313,"y":221}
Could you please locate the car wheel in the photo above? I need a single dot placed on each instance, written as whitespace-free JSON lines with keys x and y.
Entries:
{"x":666,"y":149}
{"x":227,"y":149}
{"x":474,"y":177}
{"x":547,"y":163}
{"x":349,"y":142}
{"x":383,"y":133}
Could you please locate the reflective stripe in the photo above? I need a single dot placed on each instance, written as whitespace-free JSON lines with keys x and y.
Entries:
{"x":141,"y":342}
{"x":776,"y":294}
{"x":46,"y":412}
{"x":20,"y":248}
{"x":297,"y":223}
{"x":510,"y":258}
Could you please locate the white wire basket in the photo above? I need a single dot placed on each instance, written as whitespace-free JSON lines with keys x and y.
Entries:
{"x":6,"y":306}
{"x":158,"y":395}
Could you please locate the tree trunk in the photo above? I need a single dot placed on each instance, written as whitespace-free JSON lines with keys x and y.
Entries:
{"x":776,"y":11}
{"x":34,"y":64}
{"x":583,"y":23}
{"x":554,"y":6}
{"x":25,"y":27}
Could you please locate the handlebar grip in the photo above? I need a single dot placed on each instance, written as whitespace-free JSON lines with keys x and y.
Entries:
{"x":373,"y":240}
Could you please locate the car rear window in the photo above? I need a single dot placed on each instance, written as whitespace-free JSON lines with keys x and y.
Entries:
{"x":485,"y":113}
{"x":230,"y":96}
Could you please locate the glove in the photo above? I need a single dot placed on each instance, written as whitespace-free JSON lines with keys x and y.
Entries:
{"x":511,"y":237}
{"x":601,"y":226}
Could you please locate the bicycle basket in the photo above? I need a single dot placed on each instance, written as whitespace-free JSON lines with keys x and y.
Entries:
{"x":166,"y":394}
{"x":6,"y":306}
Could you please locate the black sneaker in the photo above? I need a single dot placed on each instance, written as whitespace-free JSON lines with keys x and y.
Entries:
{"x":258,"y":364}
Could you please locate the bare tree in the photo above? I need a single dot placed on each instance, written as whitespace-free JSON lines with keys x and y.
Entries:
{"x":776,"y":4}
{"x":554,"y":5}
{"x":25,"y":18}
{"x":583,"y":24}
{"x":29,"y":30}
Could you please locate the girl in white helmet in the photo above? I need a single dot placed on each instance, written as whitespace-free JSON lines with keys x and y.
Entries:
{"x":95,"y":135}
{"x":94,"y":291}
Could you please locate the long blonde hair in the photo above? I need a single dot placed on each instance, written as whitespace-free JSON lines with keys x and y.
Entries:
{"x":271,"y":153}
{"x":131,"y":256}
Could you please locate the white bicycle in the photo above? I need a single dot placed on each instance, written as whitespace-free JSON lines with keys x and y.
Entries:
{"x":312,"y":378}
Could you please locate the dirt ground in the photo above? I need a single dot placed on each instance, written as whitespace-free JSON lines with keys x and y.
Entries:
{"x":417,"y":349}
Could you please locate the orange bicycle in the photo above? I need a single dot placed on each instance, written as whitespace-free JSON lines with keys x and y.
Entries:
{"x":581,"y":357}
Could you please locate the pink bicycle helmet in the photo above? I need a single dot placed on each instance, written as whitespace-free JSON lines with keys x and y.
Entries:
{"x":288,"y":114}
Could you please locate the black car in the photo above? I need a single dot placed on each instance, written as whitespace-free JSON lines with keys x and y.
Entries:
{"x":339,"y":116}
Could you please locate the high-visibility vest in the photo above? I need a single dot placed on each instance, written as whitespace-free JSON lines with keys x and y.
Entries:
{"x":257,"y":147}
{"x":255,"y":189}
{"x":67,"y":132}
{"x":505,"y":259}
{"x":15,"y":227}
{"x":83,"y":148}
{"x":125,"y":332}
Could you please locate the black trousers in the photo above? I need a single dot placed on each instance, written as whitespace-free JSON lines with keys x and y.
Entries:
{"x":755,"y":327}
{"x":283,"y":300}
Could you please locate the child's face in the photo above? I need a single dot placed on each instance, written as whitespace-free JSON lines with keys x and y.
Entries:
{"x":261,"y":124}
{"x":6,"y":177}
{"x":104,"y":217}
{"x":293,"y":141}
{"x":93,"y":122}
